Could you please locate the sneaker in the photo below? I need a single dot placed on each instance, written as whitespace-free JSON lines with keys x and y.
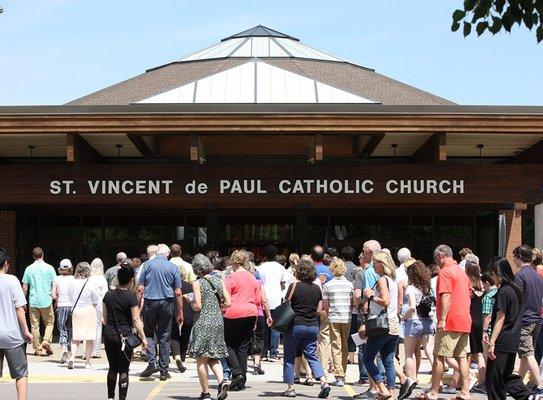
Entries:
{"x":64,"y":357}
{"x":180,"y":367}
{"x":406,"y":388}
{"x":165,"y":375}
{"x":325,"y":391}
{"x":368,"y":394}
{"x":70,"y":364}
{"x":479,"y":388}
{"x":204,"y":396}
{"x":237,"y":382}
{"x":150,"y":370}
{"x":258,"y":369}
{"x":288,"y":393}
{"x":339,"y":383}
{"x":88,"y":366}
{"x":223,"y":389}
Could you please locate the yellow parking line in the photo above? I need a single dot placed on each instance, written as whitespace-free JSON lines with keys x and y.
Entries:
{"x":156,"y":390}
{"x":349,"y":389}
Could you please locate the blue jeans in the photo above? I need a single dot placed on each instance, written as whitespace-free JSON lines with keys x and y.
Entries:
{"x":305,"y":338}
{"x":225,"y":369}
{"x":386,"y":346}
{"x":157,"y":318}
{"x":271,"y":340}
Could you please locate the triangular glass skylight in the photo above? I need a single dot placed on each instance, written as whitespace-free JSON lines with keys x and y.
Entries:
{"x":261,"y":42}
{"x":256,"y":82}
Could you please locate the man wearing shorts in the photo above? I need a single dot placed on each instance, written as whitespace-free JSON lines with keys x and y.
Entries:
{"x":453,"y":320}
{"x":14,"y":332}
{"x":531,"y":285}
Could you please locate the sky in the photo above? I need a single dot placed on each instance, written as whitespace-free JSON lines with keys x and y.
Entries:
{"x":53,"y":51}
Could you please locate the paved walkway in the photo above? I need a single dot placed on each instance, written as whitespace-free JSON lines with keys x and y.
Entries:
{"x":49,"y":380}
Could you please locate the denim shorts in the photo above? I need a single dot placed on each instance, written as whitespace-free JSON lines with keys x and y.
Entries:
{"x":17,"y":363}
{"x":419,"y":327}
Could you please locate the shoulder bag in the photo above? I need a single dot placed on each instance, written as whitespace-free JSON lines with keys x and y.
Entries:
{"x":69,"y":317}
{"x":377,"y":325}
{"x":284,"y":314}
{"x":128,"y":342}
{"x":218,"y":295}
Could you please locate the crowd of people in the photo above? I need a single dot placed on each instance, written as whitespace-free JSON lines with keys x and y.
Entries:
{"x":324,"y":306}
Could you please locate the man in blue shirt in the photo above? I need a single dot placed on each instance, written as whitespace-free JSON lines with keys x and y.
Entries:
{"x":531,"y":285}
{"x":159,"y":284}
{"x":323,"y":272}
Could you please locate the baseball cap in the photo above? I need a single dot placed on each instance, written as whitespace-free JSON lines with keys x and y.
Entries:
{"x":65,"y":264}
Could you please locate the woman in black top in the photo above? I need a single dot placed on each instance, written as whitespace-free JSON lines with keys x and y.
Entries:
{"x":505,"y":337}
{"x":473,"y":272}
{"x":121,"y":315}
{"x":306,"y":301}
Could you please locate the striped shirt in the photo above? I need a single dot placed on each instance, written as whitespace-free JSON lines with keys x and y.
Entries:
{"x":488,"y":301}
{"x":339,"y":292}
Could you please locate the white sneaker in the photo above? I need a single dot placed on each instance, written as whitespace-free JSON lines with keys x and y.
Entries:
{"x":88,"y":366}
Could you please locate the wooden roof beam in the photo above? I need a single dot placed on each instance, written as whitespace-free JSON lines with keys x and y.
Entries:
{"x":315,"y":151}
{"x":141,"y":145}
{"x":434,"y":150}
{"x":532,"y":155}
{"x":366,"y":144}
{"x":197,"y":151}
{"x":79,"y":151}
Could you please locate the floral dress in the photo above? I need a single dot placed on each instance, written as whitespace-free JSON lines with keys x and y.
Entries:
{"x":208,"y":330}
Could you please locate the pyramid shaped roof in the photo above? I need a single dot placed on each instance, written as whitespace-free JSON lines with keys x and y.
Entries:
{"x":276,"y":67}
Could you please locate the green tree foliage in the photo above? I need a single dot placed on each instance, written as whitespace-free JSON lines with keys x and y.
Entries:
{"x":495,"y":15}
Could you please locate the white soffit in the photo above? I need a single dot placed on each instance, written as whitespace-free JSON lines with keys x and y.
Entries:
{"x":256,"y":82}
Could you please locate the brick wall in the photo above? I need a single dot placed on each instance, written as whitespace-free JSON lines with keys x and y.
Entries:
{"x":8,"y":234}
{"x":513,"y":220}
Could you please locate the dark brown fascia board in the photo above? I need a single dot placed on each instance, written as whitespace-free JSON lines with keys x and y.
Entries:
{"x":256,"y":109}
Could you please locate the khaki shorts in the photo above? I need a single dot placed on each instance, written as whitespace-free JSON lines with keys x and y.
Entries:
{"x":528,"y":339}
{"x":451,"y":344}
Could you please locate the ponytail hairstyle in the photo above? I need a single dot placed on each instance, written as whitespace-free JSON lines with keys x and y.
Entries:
{"x":501,"y":268}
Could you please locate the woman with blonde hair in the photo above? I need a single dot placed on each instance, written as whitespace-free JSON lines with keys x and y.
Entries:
{"x":382,"y":299}
{"x":99,"y":282}
{"x":337,"y":301}
{"x":85,"y":299}
{"x":240,"y":317}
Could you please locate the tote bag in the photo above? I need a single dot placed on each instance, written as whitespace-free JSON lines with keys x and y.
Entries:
{"x":284,"y":315}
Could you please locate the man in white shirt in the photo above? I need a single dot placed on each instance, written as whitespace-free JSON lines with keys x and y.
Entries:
{"x":175,"y":252}
{"x":151,"y":254}
{"x":271,"y":273}
{"x":14,"y":332}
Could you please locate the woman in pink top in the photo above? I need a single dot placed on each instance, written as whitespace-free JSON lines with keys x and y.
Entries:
{"x":240,"y":317}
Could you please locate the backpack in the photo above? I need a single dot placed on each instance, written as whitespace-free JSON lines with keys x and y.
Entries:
{"x":424,"y":308}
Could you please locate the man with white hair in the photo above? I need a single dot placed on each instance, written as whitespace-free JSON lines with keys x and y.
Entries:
{"x":159,"y":285}
{"x":151,"y":254}
{"x":111,"y":273}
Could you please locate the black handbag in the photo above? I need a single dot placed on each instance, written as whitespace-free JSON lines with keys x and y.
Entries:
{"x":377,"y":325}
{"x":254,"y":348}
{"x":128,"y":342}
{"x":69,"y":317}
{"x":284,"y":314}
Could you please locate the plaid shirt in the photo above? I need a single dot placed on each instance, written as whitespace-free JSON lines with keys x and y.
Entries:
{"x":488,"y":301}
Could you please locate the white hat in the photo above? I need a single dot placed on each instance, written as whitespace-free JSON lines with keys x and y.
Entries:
{"x":65,"y":264}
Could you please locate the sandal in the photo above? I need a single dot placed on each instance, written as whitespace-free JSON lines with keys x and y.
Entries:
{"x":288,"y":393}
{"x":309,"y":382}
{"x":424,"y":396}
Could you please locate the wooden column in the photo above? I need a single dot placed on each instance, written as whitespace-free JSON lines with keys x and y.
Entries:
{"x":79,"y":151}
{"x":197,"y":152}
{"x":315,"y":152}
{"x":433,"y":150}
